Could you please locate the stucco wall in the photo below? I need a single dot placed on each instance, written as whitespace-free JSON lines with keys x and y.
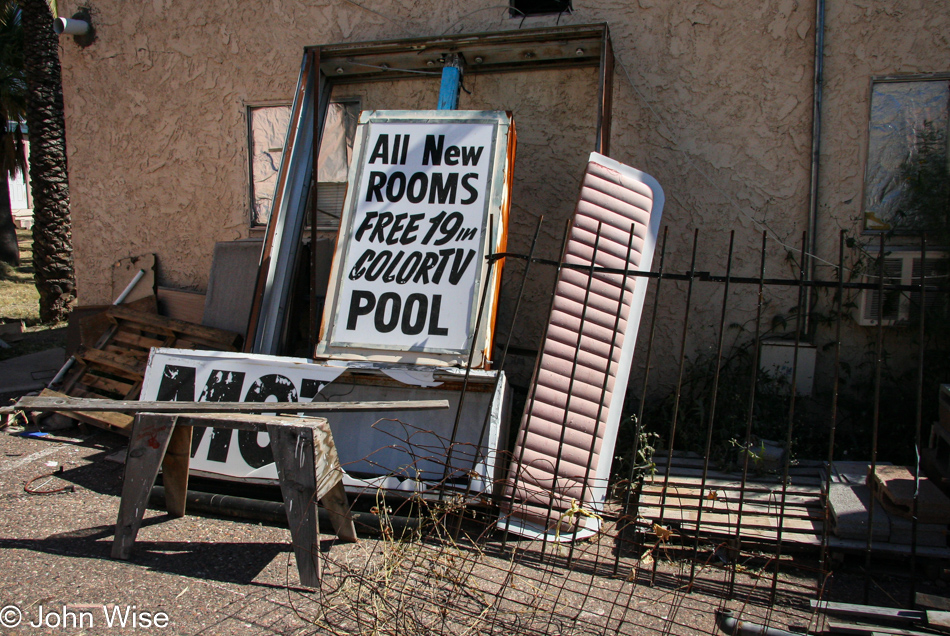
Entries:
{"x":712,"y":99}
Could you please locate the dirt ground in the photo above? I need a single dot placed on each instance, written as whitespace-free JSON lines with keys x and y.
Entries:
{"x":222,"y":576}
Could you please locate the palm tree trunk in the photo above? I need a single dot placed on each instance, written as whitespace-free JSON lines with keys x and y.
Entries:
{"x":52,"y":230}
{"x":9,"y":249}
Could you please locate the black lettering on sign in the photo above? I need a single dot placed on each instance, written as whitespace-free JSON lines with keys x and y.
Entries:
{"x":432,"y":150}
{"x":375,"y":188}
{"x":361,"y":303}
{"x":381,"y":150}
{"x":221,"y":386}
{"x":274,"y":386}
{"x":177,"y":385}
{"x":417,"y":304}
{"x":358,"y":270}
{"x":471,"y":155}
{"x":386,"y":324}
{"x":471,"y":189}
{"x":443,"y":188}
{"x":434,"y":328}
{"x":365,"y":224}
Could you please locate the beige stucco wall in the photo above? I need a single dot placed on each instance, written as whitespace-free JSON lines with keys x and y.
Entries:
{"x":712,"y":99}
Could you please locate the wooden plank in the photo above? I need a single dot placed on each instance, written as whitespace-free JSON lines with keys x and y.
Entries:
{"x":118,"y":422}
{"x":871,"y":630}
{"x":150,"y":436}
{"x":339,"y":510}
{"x":95,"y":381}
{"x":175,"y":470}
{"x":38,"y":403}
{"x":869,"y":611}
{"x":688,"y":516}
{"x":733,"y":485}
{"x":136,"y":340}
{"x":180,"y":304}
{"x":938,"y":620}
{"x":929,"y":601}
{"x":118,"y":364}
{"x":296,"y":469}
{"x":208,"y":335}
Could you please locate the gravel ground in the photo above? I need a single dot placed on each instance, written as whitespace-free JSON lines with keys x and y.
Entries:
{"x":223,"y":576}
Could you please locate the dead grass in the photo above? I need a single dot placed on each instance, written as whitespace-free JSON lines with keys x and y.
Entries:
{"x":19,"y":300}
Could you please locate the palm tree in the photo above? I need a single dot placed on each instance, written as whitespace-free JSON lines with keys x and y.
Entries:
{"x":52,"y":230}
{"x":12,"y":111}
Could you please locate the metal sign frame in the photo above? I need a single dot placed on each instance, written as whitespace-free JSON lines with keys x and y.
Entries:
{"x":326,"y":66}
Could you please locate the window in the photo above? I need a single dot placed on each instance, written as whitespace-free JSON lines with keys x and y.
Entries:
{"x":906,"y":179}
{"x":903,"y":268}
{"x":522,"y":8}
{"x":267,"y":129}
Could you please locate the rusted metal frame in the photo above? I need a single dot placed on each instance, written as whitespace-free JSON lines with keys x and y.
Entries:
{"x":267,"y":249}
{"x":679,"y":390}
{"x":605,"y":95}
{"x":318,"y":79}
{"x":529,"y":403}
{"x":712,"y":412}
{"x":750,"y":413}
{"x":630,"y":521}
{"x":603,"y":390}
{"x":793,"y":392}
{"x":504,"y":352}
{"x":839,"y":306}
{"x":389,"y":60}
{"x":707,"y":277}
{"x":570,"y":387}
{"x":468,"y":367}
{"x":919,"y":422}
{"x":878,"y":365}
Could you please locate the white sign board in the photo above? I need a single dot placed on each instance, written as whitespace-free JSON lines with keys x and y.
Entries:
{"x":410,"y":262}
{"x":375,"y":449}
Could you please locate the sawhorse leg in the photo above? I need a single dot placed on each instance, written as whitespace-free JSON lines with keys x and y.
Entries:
{"x":151,"y":433}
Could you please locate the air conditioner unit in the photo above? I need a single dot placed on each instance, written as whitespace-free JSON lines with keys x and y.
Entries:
{"x":902,"y":268}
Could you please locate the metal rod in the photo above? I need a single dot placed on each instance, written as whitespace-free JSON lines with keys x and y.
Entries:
{"x":511,"y":329}
{"x":919,"y":422}
{"x":793,"y":392}
{"x":679,"y":389}
{"x":603,"y":389}
{"x":529,"y":403}
{"x":570,"y":384}
{"x":754,"y":376}
{"x":879,"y":363}
{"x":839,"y":310}
{"x":468,"y":367}
{"x":712,"y":413}
{"x":638,"y":428}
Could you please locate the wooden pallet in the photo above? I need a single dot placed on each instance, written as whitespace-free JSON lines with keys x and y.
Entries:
{"x":114,"y":367}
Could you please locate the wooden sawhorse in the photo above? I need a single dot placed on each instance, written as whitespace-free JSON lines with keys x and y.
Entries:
{"x":307,"y":466}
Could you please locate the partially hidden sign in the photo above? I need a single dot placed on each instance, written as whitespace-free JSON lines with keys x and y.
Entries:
{"x":427,"y":200}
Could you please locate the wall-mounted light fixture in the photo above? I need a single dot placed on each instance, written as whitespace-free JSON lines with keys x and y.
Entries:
{"x":79,"y":26}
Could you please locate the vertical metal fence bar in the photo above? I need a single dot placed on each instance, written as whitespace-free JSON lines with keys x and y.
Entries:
{"x":793,"y":392}
{"x":603,"y":390}
{"x":468,"y":367}
{"x":570,"y":385}
{"x":511,"y":329}
{"x":638,"y":427}
{"x":712,"y":411}
{"x":529,"y":403}
{"x":919,"y":422}
{"x":679,"y":388}
{"x":878,"y":366}
{"x":749,"y":417}
{"x":839,"y":310}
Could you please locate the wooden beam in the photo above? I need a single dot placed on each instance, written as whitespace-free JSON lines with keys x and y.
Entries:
{"x":39,"y":403}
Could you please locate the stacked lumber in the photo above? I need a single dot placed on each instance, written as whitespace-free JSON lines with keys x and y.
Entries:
{"x":114,"y":367}
{"x":870,"y":620}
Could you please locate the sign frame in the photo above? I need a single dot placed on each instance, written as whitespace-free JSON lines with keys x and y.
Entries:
{"x":492,"y":228}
